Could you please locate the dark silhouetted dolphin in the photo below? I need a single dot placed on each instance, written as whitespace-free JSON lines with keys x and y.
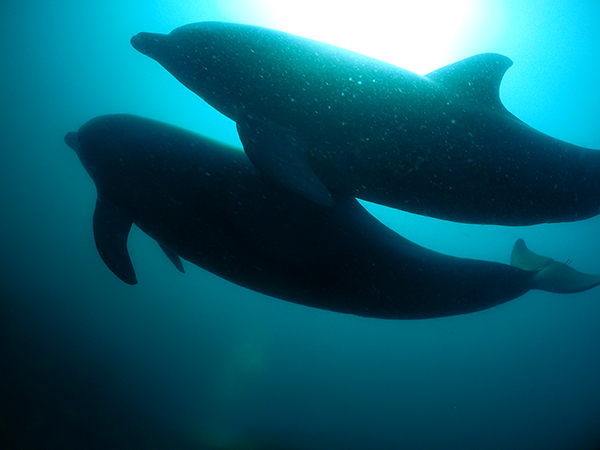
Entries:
{"x":321,"y":120}
{"x":204,"y":202}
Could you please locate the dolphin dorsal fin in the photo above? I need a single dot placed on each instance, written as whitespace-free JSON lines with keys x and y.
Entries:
{"x":477,"y":78}
{"x":524,"y":259}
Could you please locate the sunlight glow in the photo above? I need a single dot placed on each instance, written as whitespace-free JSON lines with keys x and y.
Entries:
{"x":416,"y":35}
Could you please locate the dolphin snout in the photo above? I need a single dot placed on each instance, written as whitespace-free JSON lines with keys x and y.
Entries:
{"x":148,"y":43}
{"x":72,"y":140}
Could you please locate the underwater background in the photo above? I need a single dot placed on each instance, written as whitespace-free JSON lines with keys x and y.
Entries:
{"x":194,"y":362}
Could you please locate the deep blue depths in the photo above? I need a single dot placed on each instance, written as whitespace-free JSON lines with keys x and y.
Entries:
{"x":191,"y":361}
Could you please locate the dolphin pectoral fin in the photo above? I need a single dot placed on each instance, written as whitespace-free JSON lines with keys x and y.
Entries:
{"x":173,"y":257}
{"x":551,"y":276}
{"x":111,"y":229}
{"x":282,"y":155}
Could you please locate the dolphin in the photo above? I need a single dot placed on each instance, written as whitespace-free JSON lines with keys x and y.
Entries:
{"x":323,"y":120}
{"x":204,"y":202}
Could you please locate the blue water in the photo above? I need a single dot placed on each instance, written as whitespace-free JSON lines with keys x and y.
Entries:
{"x":194,"y":362}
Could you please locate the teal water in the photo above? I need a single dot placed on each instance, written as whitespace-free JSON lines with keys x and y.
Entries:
{"x":194,"y":362}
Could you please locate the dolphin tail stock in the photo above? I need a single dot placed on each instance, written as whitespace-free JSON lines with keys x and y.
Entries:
{"x":551,"y":276}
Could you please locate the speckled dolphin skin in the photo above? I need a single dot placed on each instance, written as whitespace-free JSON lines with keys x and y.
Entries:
{"x":323,"y":120}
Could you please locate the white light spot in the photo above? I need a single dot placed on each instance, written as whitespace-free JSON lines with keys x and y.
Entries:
{"x":416,"y":35}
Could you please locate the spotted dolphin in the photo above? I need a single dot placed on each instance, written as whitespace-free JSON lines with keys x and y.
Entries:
{"x":321,"y":120}
{"x":204,"y":202}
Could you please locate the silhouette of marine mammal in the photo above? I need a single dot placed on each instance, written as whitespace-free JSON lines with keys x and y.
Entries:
{"x":321,"y":119}
{"x":204,"y":202}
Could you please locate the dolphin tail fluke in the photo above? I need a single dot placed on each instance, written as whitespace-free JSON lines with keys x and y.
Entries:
{"x":551,"y":276}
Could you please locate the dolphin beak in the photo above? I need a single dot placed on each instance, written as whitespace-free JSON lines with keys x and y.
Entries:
{"x":149,"y":43}
{"x":72,"y":140}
